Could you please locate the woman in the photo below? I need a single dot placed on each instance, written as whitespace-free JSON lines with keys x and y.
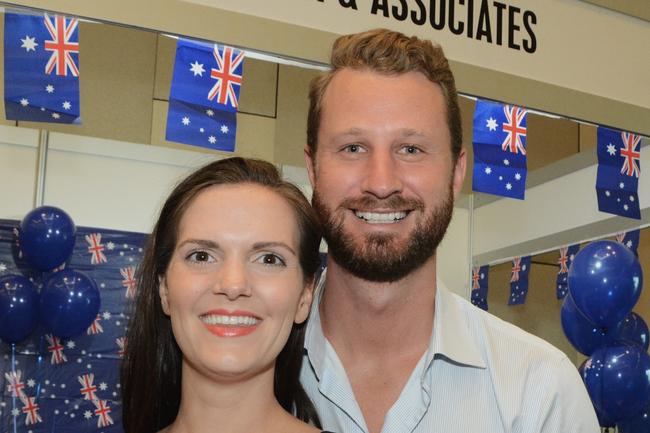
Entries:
{"x":215,"y":342}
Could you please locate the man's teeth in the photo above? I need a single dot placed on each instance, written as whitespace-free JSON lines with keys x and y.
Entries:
{"x":380,"y":218}
{"x":214,"y":319}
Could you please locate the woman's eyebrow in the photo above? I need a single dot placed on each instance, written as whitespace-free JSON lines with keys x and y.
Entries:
{"x":200,"y":242}
{"x":262,"y":245}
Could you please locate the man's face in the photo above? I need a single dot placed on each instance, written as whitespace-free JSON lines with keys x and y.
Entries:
{"x":383,"y":176}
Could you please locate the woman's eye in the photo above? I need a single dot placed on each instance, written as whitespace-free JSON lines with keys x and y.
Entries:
{"x":200,"y":256}
{"x":271,"y":260}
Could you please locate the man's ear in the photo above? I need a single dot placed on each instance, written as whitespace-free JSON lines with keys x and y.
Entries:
{"x":459,"y":172}
{"x":304,"y":305}
{"x":309,"y":162}
{"x":163,"y":293}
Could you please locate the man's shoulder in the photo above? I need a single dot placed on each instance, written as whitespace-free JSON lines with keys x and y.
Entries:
{"x":494,"y":335}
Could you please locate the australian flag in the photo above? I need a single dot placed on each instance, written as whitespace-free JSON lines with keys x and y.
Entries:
{"x":519,"y":280}
{"x":480,"y":286}
{"x":499,"y":149}
{"x":204,"y":95}
{"x":567,"y":254}
{"x":72,"y":385}
{"x":631,"y":240}
{"x":619,"y":168}
{"x":41,"y":68}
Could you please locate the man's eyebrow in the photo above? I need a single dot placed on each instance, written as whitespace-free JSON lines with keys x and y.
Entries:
{"x":262,"y":245}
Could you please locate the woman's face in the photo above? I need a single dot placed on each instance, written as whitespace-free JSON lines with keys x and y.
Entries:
{"x":234,"y":286}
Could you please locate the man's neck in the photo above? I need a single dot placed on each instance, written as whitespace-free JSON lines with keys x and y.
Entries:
{"x":363,"y":318}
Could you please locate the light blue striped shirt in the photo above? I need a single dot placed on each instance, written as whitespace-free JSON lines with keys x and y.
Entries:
{"x":480,"y":374}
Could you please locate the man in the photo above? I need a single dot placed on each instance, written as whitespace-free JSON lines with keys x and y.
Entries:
{"x":387,"y":348}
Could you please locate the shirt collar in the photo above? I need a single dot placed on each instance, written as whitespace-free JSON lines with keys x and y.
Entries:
{"x":451,"y":336}
{"x":315,"y":341}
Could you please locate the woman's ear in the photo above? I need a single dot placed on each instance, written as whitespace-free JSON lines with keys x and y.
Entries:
{"x":304,"y":305}
{"x":163,"y":292}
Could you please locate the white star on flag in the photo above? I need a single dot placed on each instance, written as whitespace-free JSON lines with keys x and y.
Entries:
{"x":488,"y":170}
{"x":629,"y":244}
{"x":508,"y":186}
{"x":197,"y":68}
{"x":201,"y":130}
{"x":49,"y":88}
{"x":186,"y":121}
{"x":106,"y":315}
{"x":517,"y":176}
{"x":224,"y":129}
{"x":24,"y":102}
{"x":506,"y":162}
{"x":212,"y":139}
{"x":67,"y":105}
{"x":103,"y":386}
{"x":209,"y":112}
{"x":29,"y":44}
{"x":88,"y":414}
{"x":621,"y":185}
{"x":31,"y":383}
{"x":110,"y":246}
{"x":3,"y":267}
{"x":15,"y":412}
{"x":56,"y":115}
{"x":71,"y":344}
{"x":491,"y":124}
{"x":611,"y":149}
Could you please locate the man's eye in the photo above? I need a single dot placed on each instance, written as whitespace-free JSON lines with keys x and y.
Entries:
{"x":411,"y":150}
{"x":352,"y":148}
{"x":200,"y":256}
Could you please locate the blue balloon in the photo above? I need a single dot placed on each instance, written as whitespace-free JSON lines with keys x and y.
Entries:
{"x":617,"y":380}
{"x":69,"y":303}
{"x":634,"y":330}
{"x":46,"y":237}
{"x":584,"y":335}
{"x":605,"y":281}
{"x":18,"y":308}
{"x":639,"y":423}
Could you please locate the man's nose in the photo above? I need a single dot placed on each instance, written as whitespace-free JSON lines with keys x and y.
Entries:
{"x":232,"y":280}
{"x":382,"y":177}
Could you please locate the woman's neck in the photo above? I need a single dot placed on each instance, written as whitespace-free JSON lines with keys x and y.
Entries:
{"x":231,"y":406}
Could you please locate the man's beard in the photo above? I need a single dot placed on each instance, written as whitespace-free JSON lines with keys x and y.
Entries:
{"x":378,"y":259}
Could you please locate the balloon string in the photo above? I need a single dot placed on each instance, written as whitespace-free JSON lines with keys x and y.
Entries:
{"x":39,"y":365}
{"x":14,"y":394}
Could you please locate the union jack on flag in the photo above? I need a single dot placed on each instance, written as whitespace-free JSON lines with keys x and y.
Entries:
{"x":129,"y":281}
{"x":226,"y":88}
{"x":619,"y":169}
{"x":95,"y":327}
{"x":30,"y":409}
{"x":480,"y":286}
{"x":499,"y":140}
{"x":630,"y":239}
{"x":42,"y":68}
{"x":204,"y":95}
{"x":61,"y":45}
{"x":519,"y":280}
{"x":15,"y":385}
{"x":88,"y":390}
{"x":95,"y":248}
{"x":515,"y":129}
{"x":56,"y":349}
{"x":102,"y":411}
{"x":567,"y":254}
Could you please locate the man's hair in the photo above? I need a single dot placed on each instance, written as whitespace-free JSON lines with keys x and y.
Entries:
{"x":390,"y":53}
